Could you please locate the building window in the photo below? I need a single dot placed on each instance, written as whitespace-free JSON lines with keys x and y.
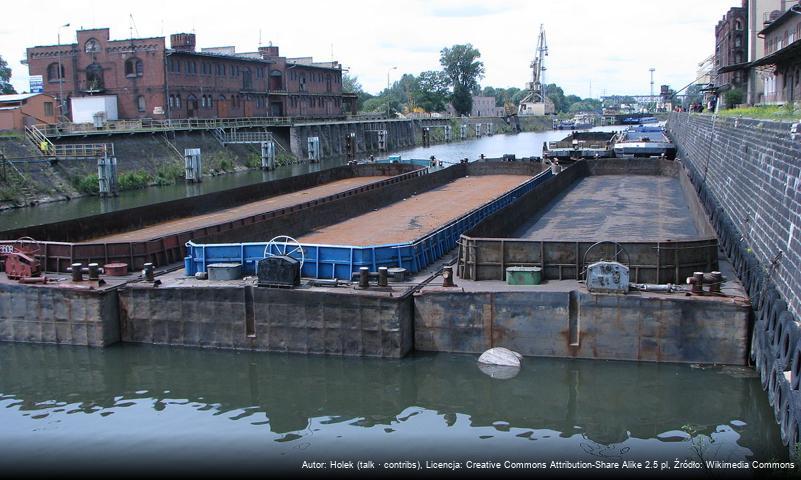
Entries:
{"x":177,"y":101}
{"x":247,"y":80}
{"x":738,"y":41}
{"x":48,"y":109}
{"x":171,"y":101}
{"x":140,"y":103}
{"x":92,"y":46}
{"x":210,"y":101}
{"x":94,"y":77}
{"x":54,"y":73}
{"x":133,"y":67}
{"x":738,"y":24}
{"x":203,"y":101}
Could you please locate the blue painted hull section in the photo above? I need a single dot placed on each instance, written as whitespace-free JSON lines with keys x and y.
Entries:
{"x":341,"y":261}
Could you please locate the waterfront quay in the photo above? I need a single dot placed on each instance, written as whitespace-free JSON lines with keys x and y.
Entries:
{"x":400,"y":261}
{"x":398,"y":216}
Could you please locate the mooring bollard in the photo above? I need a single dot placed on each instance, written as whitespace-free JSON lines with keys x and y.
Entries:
{"x":364,"y":277}
{"x":447,"y":277}
{"x":696,"y":283}
{"x":149,"y":272}
{"x":94,"y":271}
{"x":77,"y":272}
{"x":717,"y":279}
{"x":383,"y":276}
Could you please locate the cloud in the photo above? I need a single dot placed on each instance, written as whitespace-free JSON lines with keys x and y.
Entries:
{"x":465,"y":9}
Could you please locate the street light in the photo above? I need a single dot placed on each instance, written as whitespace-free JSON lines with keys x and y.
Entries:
{"x":393,"y":68}
{"x":60,"y":73}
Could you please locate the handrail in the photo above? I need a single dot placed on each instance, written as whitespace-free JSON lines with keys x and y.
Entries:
{"x":150,"y":125}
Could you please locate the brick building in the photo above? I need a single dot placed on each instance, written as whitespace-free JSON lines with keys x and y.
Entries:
{"x":731,"y":50}
{"x":152,"y":81}
{"x":780,"y":67}
{"x":21,"y":110}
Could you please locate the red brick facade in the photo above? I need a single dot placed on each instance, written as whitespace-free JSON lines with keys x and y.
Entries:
{"x":151,"y":81}
{"x":731,"y":47}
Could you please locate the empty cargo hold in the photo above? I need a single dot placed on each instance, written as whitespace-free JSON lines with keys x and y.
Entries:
{"x":647,"y":207}
{"x":253,"y":208}
{"x":417,"y":215}
{"x":615,"y":207}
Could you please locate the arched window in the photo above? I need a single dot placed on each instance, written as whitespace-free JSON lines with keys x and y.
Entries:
{"x":203,"y":101}
{"x":738,"y":24}
{"x":94,"y":77}
{"x":177,"y":101}
{"x":172,"y":101}
{"x":140,"y":103}
{"x":92,"y":46}
{"x":134,"y":67}
{"x":54,"y":73}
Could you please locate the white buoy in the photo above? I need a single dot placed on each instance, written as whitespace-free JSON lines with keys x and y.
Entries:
{"x":501,"y":356}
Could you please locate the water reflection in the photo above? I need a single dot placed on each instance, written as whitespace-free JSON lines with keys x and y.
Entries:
{"x":244,"y":406}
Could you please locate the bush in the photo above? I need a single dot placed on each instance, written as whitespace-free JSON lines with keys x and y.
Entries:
{"x":253,"y":161}
{"x":733,"y":98}
{"x":226,"y":164}
{"x":88,"y":184}
{"x":133,"y":180}
{"x":169,"y":174}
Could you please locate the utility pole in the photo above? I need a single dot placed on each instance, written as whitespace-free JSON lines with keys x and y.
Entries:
{"x":652,"y":85}
{"x":389,"y":70}
{"x":60,"y":74}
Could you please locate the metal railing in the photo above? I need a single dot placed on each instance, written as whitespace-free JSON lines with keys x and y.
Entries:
{"x":235,"y":136}
{"x":83,"y":150}
{"x":147,"y":125}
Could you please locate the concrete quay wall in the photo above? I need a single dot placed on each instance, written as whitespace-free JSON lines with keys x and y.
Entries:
{"x":41,"y":314}
{"x":576,"y":324}
{"x":748,"y":176}
{"x":263,"y":319}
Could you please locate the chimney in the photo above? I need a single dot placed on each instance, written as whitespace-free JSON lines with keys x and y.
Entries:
{"x":183,"y":42}
{"x":268,"y":52}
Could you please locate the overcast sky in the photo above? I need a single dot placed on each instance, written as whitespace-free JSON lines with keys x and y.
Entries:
{"x":608,"y":43}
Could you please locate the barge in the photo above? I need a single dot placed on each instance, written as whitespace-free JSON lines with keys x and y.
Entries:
{"x":644,"y":141}
{"x":580,"y":145}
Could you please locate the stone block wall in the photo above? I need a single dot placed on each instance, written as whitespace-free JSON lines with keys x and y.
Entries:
{"x":750,"y":169}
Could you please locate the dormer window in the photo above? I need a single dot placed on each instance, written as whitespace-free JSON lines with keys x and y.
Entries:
{"x":92,"y":46}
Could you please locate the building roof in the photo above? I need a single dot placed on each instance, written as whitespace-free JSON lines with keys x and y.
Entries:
{"x":19,"y":97}
{"x":780,"y":20}
{"x":787,"y":53}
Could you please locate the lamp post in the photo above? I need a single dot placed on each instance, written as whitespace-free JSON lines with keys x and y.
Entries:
{"x":652,"y":87}
{"x":60,"y":74}
{"x":393,"y":68}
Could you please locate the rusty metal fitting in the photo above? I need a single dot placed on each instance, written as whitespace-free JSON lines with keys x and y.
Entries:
{"x":149,"y":272}
{"x":383,"y":276}
{"x":447,"y":277}
{"x":364,"y":277}
{"x":77,"y":272}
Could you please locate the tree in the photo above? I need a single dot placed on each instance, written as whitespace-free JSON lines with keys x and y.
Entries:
{"x":5,"y":77}
{"x":461,"y":65}
{"x":352,"y":85}
{"x":431,"y":91}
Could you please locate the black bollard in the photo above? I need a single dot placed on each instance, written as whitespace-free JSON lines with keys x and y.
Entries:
{"x":383,"y":279}
{"x":364,"y":277}
{"x":149,"y":272}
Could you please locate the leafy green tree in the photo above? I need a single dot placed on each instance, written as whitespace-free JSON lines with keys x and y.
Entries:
{"x":557,"y":96}
{"x":733,"y":97}
{"x":431,"y":91}
{"x":461,"y":65}
{"x":586,"y":105}
{"x":351,"y":84}
{"x":5,"y":77}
